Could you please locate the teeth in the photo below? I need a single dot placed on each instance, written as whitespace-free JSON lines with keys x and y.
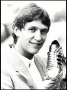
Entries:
{"x":36,"y":43}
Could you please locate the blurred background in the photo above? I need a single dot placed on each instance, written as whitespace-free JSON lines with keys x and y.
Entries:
{"x":57,"y":13}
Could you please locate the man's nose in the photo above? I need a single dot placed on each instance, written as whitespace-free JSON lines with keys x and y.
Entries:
{"x":38,"y":36}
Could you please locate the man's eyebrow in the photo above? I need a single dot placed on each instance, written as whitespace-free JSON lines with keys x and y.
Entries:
{"x":45,"y":29}
{"x":33,"y":27}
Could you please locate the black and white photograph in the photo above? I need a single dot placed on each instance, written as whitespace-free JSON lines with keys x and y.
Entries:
{"x":33,"y":45}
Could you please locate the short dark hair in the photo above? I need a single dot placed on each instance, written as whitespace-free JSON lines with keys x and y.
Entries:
{"x":30,"y":13}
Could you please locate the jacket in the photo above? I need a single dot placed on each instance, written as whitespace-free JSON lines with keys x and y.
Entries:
{"x":14,"y":73}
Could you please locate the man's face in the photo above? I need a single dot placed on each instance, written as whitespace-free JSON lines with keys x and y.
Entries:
{"x":33,"y":36}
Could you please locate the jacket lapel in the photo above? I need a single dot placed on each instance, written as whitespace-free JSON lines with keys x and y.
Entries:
{"x":41,"y":64}
{"x":21,"y":68}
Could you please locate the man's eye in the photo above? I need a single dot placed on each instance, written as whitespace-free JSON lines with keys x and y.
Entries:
{"x":44,"y":31}
{"x":32,"y":29}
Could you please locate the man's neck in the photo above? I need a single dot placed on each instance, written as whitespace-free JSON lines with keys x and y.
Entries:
{"x":23,"y":53}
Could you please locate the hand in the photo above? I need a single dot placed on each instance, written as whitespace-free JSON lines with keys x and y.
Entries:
{"x":52,"y":83}
{"x":62,"y":61}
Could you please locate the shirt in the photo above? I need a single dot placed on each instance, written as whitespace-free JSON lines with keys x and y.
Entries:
{"x":32,"y":69}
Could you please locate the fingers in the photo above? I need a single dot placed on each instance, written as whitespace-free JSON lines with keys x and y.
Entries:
{"x":60,"y":56}
{"x":48,"y":84}
{"x":54,"y":82}
{"x":51,"y":84}
{"x":59,"y":61}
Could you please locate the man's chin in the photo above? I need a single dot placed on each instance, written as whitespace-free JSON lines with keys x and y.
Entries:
{"x":34,"y":52}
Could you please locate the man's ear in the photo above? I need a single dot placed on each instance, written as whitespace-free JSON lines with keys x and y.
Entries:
{"x":17,"y":31}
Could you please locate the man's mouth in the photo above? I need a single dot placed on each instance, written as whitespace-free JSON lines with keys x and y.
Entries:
{"x":36,"y":44}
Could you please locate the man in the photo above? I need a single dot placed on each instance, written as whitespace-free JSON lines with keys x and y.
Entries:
{"x":20,"y":68}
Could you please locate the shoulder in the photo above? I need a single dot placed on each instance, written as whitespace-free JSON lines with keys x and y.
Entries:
{"x":5,"y":52}
{"x":5,"y":58}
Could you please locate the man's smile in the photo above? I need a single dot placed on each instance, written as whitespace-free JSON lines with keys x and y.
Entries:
{"x":36,"y":44}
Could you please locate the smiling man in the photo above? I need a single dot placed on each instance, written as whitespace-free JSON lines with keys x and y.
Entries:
{"x":21,"y":68}
{"x":31,"y":38}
